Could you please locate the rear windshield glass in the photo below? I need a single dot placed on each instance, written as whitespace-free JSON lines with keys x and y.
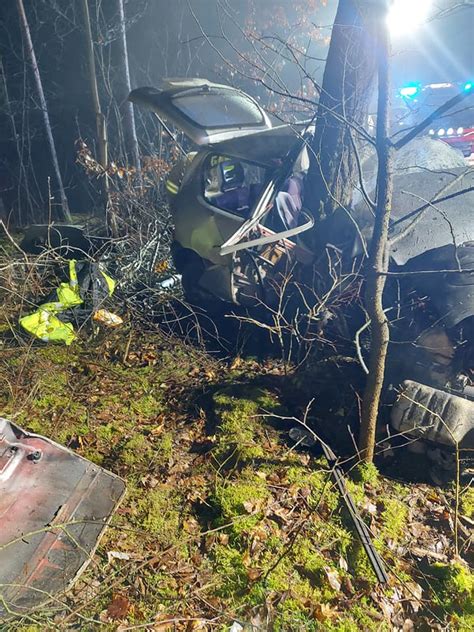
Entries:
{"x":219,"y":107}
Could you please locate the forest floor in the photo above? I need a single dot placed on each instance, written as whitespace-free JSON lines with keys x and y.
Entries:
{"x":225,"y":524}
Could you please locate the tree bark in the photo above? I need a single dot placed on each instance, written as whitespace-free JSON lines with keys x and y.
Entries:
{"x":131,"y":141}
{"x":65,"y":214}
{"x":101,"y":126}
{"x":378,"y":255}
{"x":346,"y":91}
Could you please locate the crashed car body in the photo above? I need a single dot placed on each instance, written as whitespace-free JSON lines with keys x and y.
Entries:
{"x":222,"y":192}
{"x":237,"y":205}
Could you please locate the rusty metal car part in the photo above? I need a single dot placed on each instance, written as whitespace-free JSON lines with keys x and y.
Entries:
{"x":54,"y":507}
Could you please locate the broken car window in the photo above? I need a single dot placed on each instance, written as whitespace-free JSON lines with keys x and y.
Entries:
{"x":232,"y":185}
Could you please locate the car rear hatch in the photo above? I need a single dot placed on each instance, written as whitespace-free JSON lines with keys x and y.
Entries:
{"x":206,"y":112}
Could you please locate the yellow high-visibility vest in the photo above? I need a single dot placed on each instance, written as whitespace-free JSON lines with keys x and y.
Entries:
{"x":45,"y":325}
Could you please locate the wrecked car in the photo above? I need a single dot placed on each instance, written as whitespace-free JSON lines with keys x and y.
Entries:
{"x":237,"y":201}
{"x":223,"y":192}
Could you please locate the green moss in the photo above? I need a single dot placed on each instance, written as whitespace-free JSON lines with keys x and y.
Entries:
{"x":292,"y":615}
{"x":362,"y":616}
{"x":94,"y":456}
{"x":462,"y":623}
{"x":240,"y":428}
{"x":54,"y":410}
{"x":310,"y":562}
{"x":346,"y":624}
{"x":146,"y":406}
{"x":332,"y":534}
{"x":318,"y":481}
{"x":359,"y":563}
{"x":139,"y":451}
{"x":366,"y":473}
{"x":105,"y":432}
{"x":231,"y":569}
{"x":240,"y":500}
{"x":158,"y":512}
{"x":467,"y":502}
{"x":282,"y":577}
{"x":356,"y":490}
{"x":35,"y":426}
{"x":394,"y":519}
{"x":285,"y":578}
{"x":453,"y":588}
{"x":136,"y":450}
{"x":4,"y":328}
{"x":163,"y":586}
{"x":165,"y":447}
{"x":59,"y":355}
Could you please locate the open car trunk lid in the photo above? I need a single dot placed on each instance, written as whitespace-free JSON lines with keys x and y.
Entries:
{"x":206,"y":112}
{"x":54,"y":507}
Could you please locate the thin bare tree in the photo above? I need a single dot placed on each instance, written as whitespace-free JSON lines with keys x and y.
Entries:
{"x":378,"y":254}
{"x":378,"y":262}
{"x":30,"y":52}
{"x":131,"y":141}
{"x":101,"y":125}
{"x":23,"y":188}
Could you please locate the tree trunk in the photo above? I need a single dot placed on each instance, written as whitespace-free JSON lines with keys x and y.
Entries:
{"x":99,"y":117}
{"x":131,"y":142}
{"x":378,"y":255}
{"x":345,"y":95}
{"x":22,"y":188}
{"x":44,"y":109}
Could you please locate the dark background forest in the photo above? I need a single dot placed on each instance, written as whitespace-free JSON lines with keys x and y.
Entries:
{"x":247,"y":43}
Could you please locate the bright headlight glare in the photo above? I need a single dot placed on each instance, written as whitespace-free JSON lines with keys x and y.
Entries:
{"x":460,"y":130}
{"x":431,"y":132}
{"x":450,"y":131}
{"x":404,"y":16}
{"x":441,"y":132}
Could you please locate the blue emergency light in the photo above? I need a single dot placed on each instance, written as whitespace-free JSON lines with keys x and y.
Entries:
{"x":410,"y":90}
{"x":468,"y":86}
